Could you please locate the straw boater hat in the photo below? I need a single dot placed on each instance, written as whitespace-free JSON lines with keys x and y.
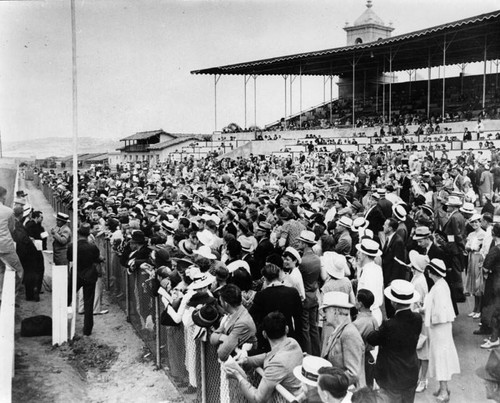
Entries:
{"x":438,"y":267}
{"x":491,"y":371}
{"x":399,"y":212}
{"x":62,"y":217}
{"x":185,"y":248}
{"x":369,"y":247}
{"x":417,"y":261}
{"x":336,"y":299}
{"x":205,"y":237}
{"x":359,"y":223}
{"x":246,"y":245}
{"x":402,"y":292}
{"x":307,"y":237}
{"x":475,"y":217}
{"x":308,"y":371}
{"x":421,"y":233}
{"x":454,"y":201}
{"x":335,"y":264}
{"x":345,"y":222}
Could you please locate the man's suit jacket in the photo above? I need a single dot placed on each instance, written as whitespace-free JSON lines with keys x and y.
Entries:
{"x":376,"y":218}
{"x":455,"y":227}
{"x":344,"y":243}
{"x":397,"y":362}
{"x":240,"y":328}
{"x":386,"y":207}
{"x":263,"y":250}
{"x":393,"y":270}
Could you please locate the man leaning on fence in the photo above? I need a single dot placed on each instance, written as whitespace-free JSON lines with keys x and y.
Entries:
{"x":278,"y":364}
{"x":8,"y":253}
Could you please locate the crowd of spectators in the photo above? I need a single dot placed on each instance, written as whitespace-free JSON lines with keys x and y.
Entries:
{"x":269,"y":258}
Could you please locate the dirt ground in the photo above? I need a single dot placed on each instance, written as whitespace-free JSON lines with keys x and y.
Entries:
{"x":111,"y":365}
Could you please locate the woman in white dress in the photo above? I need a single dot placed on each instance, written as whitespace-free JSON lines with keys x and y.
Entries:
{"x":474,"y":280}
{"x":418,"y":264}
{"x":439,"y":317}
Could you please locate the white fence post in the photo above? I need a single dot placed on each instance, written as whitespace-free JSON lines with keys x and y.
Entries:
{"x":7,"y":311}
{"x":59,"y":304}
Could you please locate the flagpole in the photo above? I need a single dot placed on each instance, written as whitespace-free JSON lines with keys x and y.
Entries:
{"x":75,"y":169}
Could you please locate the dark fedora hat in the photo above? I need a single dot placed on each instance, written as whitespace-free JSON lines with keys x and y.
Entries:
{"x":138,"y":237}
{"x":201,"y":298}
{"x":206,"y":316}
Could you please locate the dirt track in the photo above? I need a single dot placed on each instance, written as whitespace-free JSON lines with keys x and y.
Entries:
{"x":61,"y":374}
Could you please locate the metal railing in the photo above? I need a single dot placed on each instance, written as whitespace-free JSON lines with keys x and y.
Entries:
{"x":180,"y":355}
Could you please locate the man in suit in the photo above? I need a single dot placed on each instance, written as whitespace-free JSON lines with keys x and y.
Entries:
{"x":342,"y":236}
{"x":238,"y":329}
{"x":454,"y":231}
{"x":264,"y":248}
{"x":61,"y":234}
{"x":385,"y":205}
{"x":7,"y":247}
{"x":396,"y":370}
{"x":394,"y":248}
{"x":310,"y":268}
{"x":375,"y":216}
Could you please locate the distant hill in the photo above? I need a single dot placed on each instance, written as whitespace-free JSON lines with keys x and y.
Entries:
{"x":57,"y":147}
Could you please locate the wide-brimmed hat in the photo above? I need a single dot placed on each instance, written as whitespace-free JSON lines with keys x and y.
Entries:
{"x":62,"y":216}
{"x":418,"y":262}
{"x":359,"y":223}
{"x":402,"y":292}
{"x":308,"y":371}
{"x":185,"y":248}
{"x":246,"y":245}
{"x":335,"y":264}
{"x":182,"y":263}
{"x":293,"y":252}
{"x":491,"y":371}
{"x":454,"y":201}
{"x":265,"y":226}
{"x":437,"y":266}
{"x":336,"y":299}
{"x":201,"y":298}
{"x":369,"y":247}
{"x":205,"y":237}
{"x":468,"y":208}
{"x":307,"y":237}
{"x":206,"y":316}
{"x":345,"y":222}
{"x":200,"y":280}
{"x":205,"y":252}
{"x":399,"y":212}
{"x":421,"y":233}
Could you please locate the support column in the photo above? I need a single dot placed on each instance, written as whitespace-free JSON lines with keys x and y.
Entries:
{"x":254,"y":100}
{"x":300,"y":96}
{"x":284,"y":123}
{"x":390,"y":90}
{"x":429,"y":86}
{"x":216,"y":80}
{"x":353,"y":90}
{"x":331,"y":101}
{"x":484,"y":73}
{"x":444,"y":78}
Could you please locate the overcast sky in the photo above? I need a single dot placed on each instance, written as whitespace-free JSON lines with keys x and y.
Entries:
{"x":135,"y":58}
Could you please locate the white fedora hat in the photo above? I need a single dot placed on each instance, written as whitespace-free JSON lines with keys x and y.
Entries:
{"x":454,"y":201}
{"x":467,"y":208}
{"x":345,"y":222}
{"x":308,"y":237}
{"x":335,"y":264}
{"x":308,"y":371}
{"x":205,"y":252}
{"x":402,"y":291}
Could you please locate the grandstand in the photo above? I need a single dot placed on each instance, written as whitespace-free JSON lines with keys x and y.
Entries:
{"x":418,"y":115}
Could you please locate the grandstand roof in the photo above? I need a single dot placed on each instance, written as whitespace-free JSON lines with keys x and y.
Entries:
{"x":145,"y":135}
{"x":465,"y":40}
{"x":172,"y":142}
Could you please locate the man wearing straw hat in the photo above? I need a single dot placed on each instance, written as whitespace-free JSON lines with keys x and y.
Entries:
{"x":371,"y":276}
{"x":396,"y":369}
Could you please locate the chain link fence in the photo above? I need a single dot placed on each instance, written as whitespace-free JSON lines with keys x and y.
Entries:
{"x":191,"y":363}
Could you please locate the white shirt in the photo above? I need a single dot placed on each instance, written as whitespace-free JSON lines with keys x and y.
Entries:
{"x":372,"y":278}
{"x":294,"y":279}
